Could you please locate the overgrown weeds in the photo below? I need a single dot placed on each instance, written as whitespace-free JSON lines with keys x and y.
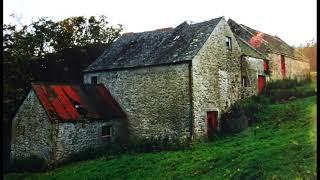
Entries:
{"x":245,"y":112}
{"x":287,"y":89}
{"x":31,"y":164}
{"x":146,"y":145}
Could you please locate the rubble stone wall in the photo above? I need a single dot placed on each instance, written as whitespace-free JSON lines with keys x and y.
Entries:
{"x":31,"y":131}
{"x":216,"y":77}
{"x":294,"y":68}
{"x":155,"y":99}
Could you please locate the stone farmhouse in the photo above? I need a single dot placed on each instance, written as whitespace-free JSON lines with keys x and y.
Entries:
{"x":58,"y":120}
{"x":171,"y":82}
{"x":178,"y":81}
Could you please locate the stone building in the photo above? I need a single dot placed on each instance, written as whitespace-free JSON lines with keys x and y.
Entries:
{"x":177,"y":81}
{"x":58,"y":120}
{"x":171,"y":82}
{"x":283,"y":60}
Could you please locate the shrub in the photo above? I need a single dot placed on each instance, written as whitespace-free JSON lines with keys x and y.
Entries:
{"x":283,"y":90}
{"x":32,"y":164}
{"x":152,"y":144}
{"x":288,"y":83}
{"x":242,"y":113}
{"x":160,"y":143}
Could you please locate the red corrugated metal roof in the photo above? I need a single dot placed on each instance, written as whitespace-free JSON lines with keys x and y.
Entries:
{"x":70,"y":102}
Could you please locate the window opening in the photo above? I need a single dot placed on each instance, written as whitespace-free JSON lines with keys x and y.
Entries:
{"x":228,"y":42}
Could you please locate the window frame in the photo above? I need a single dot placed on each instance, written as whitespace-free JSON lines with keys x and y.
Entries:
{"x":245,"y":81}
{"x":94,"y":79}
{"x":228,"y":42}
{"x":105,"y":129}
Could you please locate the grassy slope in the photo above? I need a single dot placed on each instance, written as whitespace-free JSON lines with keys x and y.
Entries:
{"x":281,"y":146}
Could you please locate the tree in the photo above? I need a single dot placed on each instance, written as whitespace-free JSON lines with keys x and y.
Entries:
{"x":309,"y":50}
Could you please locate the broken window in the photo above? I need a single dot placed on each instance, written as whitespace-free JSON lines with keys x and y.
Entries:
{"x":94,"y":79}
{"x":228,"y":42}
{"x":106,"y":131}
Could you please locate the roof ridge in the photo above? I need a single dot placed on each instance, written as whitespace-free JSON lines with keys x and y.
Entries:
{"x":244,"y":27}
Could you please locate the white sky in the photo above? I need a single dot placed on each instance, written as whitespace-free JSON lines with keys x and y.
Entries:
{"x":292,"y":20}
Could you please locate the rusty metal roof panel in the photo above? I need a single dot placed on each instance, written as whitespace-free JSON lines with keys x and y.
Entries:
{"x":72,"y":102}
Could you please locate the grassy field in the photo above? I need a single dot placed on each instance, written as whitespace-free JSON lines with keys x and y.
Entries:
{"x":281,"y":146}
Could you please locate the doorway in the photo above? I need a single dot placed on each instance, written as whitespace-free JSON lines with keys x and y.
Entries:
{"x":261,"y":83}
{"x":212,"y":123}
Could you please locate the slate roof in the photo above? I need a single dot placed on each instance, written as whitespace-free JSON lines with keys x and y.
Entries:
{"x":248,"y":50}
{"x":73,"y":102}
{"x":169,"y":45}
{"x":261,"y":41}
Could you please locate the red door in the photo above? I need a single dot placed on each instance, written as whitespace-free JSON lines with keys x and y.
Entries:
{"x":283,"y":66}
{"x":261,"y":83}
{"x":212,"y":122}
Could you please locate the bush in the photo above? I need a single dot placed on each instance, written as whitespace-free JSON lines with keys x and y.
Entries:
{"x":278,"y":95}
{"x":32,"y":164}
{"x":161,"y":143}
{"x":242,"y":113}
{"x":152,"y":144}
{"x":288,"y":83}
{"x":92,"y":153}
{"x":283,"y":90}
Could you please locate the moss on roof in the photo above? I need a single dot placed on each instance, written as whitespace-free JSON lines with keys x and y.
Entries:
{"x":270,"y":44}
{"x":248,"y":50}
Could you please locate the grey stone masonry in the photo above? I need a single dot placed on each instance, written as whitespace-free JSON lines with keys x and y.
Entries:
{"x":252,"y":67}
{"x":294,"y":68}
{"x":31,"y":131}
{"x":155,"y":99}
{"x":35,"y":135}
{"x":216,"y":76}
{"x":74,"y":137}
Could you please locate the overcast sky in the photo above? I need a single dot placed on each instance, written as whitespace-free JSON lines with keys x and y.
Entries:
{"x":292,"y":20}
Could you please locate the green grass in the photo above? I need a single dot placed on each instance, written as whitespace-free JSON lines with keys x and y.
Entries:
{"x":281,"y":146}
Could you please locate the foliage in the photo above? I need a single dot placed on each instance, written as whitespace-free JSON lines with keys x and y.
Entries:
{"x":156,"y":144}
{"x":309,"y":50}
{"x":135,"y":146}
{"x":281,"y":145}
{"x":242,"y":113}
{"x":287,"y":83}
{"x":283,"y":90}
{"x":31,"y":164}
